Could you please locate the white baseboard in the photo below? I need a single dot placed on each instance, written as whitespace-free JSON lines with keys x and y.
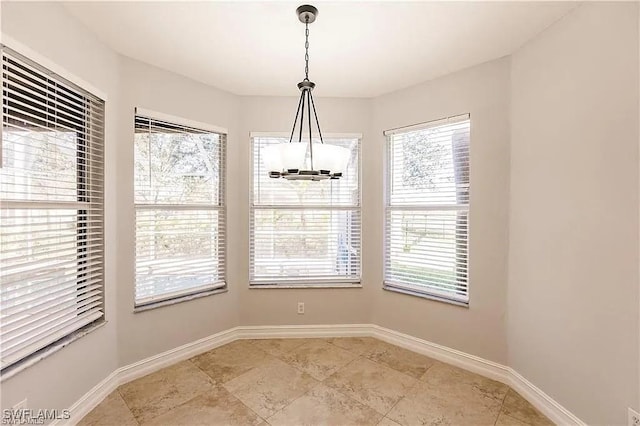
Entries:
{"x":130,"y":372}
{"x":91,"y":399}
{"x":543,"y":402}
{"x":473,"y":363}
{"x":302,"y":331}
{"x":156,"y":362}
{"x":493,"y":370}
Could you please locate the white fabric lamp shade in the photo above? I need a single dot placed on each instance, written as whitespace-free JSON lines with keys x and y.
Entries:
{"x":284,"y":156}
{"x":330,"y":157}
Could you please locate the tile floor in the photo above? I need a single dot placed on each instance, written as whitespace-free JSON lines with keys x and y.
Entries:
{"x":346,"y":381}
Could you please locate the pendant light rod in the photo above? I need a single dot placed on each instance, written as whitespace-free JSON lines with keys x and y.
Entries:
{"x":316,"y":115}
{"x":310,"y":140}
{"x":302,"y":118}
{"x":296,"y":119}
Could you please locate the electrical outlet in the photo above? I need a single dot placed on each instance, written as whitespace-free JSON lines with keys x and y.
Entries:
{"x":20,"y":405}
{"x":301,"y":309}
{"x":634,"y":418}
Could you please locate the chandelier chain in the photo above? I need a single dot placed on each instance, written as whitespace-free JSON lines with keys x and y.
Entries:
{"x":306,"y":49}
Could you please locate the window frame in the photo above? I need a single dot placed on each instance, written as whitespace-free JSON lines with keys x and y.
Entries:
{"x":89,"y":149}
{"x":171,"y":298}
{"x":404,"y":288}
{"x":337,"y":283}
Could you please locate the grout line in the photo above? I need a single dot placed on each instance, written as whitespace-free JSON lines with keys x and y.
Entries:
{"x":204,"y":372}
{"x":174,"y":407}
{"x":126,"y":404}
{"x":383,"y":365}
{"x":295,"y":367}
{"x":361,"y":357}
{"x":212,"y":383}
{"x":396,"y":370}
{"x":221,"y":384}
{"x":302,"y":371}
{"x":341,"y":367}
{"x":295,"y":399}
{"x":319,"y":382}
{"x":245,"y":405}
{"x":417,"y":380}
{"x":415,"y":385}
{"x":517,"y":416}
{"x":429,"y":368}
{"x":326,"y":339}
{"x":502,"y":404}
{"x":254,"y":342}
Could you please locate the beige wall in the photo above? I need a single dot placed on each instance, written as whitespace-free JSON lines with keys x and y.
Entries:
{"x":60,"y":379}
{"x":322,"y":306}
{"x":572,"y":298}
{"x":573,"y":267}
{"x":140,"y":335}
{"x":147,"y":333}
{"x":482,"y":91}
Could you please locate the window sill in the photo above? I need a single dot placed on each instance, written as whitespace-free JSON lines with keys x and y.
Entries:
{"x":303,"y":286}
{"x":50,"y":350}
{"x":180,"y":299}
{"x":425,"y":296}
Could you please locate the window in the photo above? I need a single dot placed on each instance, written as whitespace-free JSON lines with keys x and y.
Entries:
{"x":51,"y":215}
{"x":427,"y":209}
{"x":303,"y":232}
{"x":180,"y":211}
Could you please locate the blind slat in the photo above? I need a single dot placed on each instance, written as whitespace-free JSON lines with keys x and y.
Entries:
{"x":40,"y":315}
{"x":55,"y":332}
{"x":41,"y":292}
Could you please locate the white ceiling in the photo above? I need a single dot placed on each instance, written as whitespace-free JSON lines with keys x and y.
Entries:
{"x":357,"y":49}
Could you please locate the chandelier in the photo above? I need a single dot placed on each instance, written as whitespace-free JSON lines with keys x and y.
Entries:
{"x":289,"y":160}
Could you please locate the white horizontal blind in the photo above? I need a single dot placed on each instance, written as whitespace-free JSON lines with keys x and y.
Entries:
{"x":51,"y":196}
{"x":304,"y":232}
{"x":426,"y":229}
{"x":180,"y":210}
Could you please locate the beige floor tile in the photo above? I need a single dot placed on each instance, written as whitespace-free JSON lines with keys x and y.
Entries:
{"x":229,"y":361}
{"x":388,"y":422}
{"x":270,"y":387}
{"x":374,"y":385}
{"x":258,"y":378}
{"x":278,"y":347}
{"x":111,"y":412}
{"x":215,"y":407}
{"x":318,"y":358}
{"x":157,"y":393}
{"x":399,"y":359}
{"x":445,"y":379}
{"x":325,"y":406}
{"x":422,"y":407}
{"x":518,"y":407}
{"x":504,"y":420}
{"x":357,"y":345}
